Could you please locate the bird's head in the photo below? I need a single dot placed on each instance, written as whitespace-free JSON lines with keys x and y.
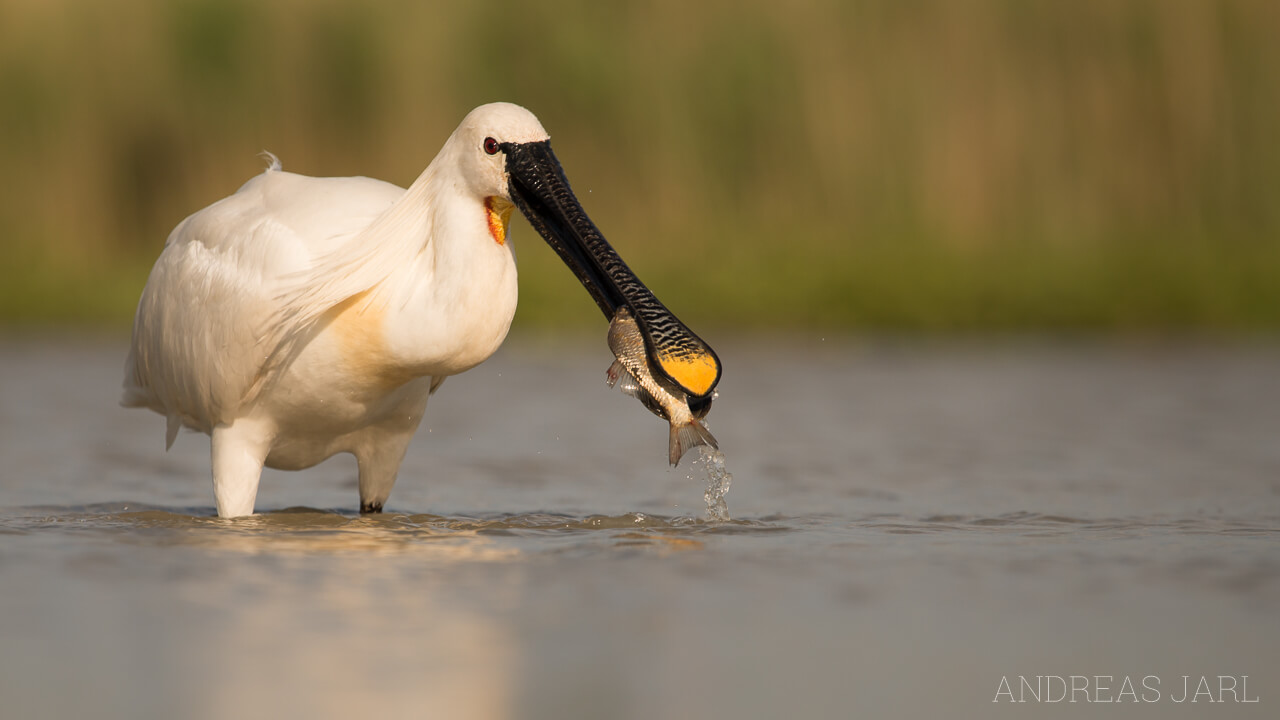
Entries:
{"x":505,"y":156}
{"x":482,"y":140}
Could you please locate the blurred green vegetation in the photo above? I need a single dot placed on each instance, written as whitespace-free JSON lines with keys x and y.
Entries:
{"x":1092,"y":165}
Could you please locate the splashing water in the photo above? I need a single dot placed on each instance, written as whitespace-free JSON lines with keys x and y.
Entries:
{"x":718,"y":481}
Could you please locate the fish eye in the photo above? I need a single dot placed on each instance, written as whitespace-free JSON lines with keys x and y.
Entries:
{"x":491,"y":146}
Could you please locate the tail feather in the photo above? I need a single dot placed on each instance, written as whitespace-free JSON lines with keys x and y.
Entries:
{"x":688,"y":436}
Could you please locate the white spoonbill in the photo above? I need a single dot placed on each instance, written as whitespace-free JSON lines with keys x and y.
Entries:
{"x":303,"y":317}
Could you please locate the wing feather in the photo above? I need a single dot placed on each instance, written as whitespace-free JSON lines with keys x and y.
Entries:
{"x":213,"y":310}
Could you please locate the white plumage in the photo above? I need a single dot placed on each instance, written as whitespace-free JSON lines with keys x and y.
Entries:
{"x":303,"y":317}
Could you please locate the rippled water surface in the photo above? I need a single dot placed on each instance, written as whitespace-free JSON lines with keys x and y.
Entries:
{"x":911,"y":525}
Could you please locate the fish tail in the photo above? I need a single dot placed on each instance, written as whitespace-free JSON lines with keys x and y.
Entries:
{"x":614,"y":372}
{"x":687,"y":436}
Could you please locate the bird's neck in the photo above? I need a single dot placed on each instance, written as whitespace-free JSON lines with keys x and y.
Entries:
{"x":450,"y":304}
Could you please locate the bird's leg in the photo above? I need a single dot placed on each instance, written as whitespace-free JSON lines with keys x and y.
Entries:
{"x":239,"y":450}
{"x":379,"y":462}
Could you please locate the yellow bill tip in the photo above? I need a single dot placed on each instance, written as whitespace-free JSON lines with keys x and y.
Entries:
{"x":697,"y":374}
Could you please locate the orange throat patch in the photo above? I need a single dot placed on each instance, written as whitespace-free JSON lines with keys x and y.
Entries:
{"x":498,"y":214}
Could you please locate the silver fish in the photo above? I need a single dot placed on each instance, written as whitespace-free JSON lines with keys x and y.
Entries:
{"x":657,"y":393}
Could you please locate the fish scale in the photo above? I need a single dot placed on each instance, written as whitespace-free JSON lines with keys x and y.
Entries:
{"x":655,"y":392}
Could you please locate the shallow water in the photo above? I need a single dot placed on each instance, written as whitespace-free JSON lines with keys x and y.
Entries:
{"x":912,"y":524}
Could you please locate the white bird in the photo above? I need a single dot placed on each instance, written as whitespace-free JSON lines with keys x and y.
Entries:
{"x":303,"y":317}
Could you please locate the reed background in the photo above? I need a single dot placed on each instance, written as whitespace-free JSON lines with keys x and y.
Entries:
{"x":1081,"y":165}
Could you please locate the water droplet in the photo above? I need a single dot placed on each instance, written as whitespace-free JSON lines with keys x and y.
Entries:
{"x":718,"y":481}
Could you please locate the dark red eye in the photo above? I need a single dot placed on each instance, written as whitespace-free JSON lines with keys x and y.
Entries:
{"x":491,"y":146}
